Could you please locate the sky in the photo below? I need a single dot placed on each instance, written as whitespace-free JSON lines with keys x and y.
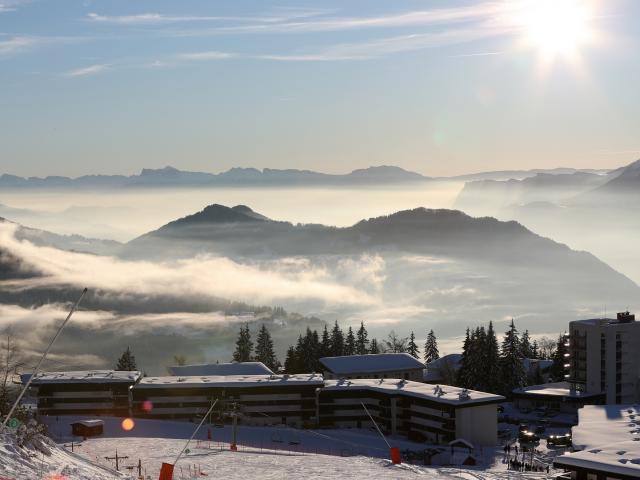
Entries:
{"x":441,"y":87}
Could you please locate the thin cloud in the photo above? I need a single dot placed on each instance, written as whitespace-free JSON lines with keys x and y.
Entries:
{"x":392,"y":20}
{"x":17,"y":44}
{"x":87,"y":71}
{"x":149,"y":18}
{"x":397,"y":44}
{"x":203,"y":56}
{"x":478,"y":54}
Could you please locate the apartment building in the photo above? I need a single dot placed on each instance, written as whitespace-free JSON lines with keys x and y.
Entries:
{"x":440,"y":413}
{"x":604,"y":357}
{"x":92,"y":392}
{"x":258,"y":399}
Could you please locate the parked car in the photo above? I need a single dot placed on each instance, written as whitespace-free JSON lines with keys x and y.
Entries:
{"x":528,"y":437}
{"x":559,"y":440}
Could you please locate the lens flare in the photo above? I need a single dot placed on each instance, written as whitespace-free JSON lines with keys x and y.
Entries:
{"x":128,"y":424}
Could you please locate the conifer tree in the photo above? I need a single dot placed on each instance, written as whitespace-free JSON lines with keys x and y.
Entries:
{"x":126,"y":362}
{"x":337,"y":341}
{"x":244,"y":345}
{"x":291,"y":361}
{"x":325,"y":343}
{"x":362,"y":342}
{"x":491,"y":361}
{"x":535,"y":350}
{"x":374,"y":348}
{"x":350,"y":343}
{"x":431,"y":352}
{"x":412,"y":348}
{"x":464,"y":372}
{"x":264,"y":349}
{"x":557,"y":370}
{"x":525,"y":345}
{"x":512,"y":369}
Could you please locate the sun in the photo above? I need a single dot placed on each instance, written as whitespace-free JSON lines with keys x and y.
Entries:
{"x":557,"y":29}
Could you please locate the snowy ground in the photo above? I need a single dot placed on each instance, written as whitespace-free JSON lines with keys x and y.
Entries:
{"x":268,"y":452}
{"x":32,"y":464}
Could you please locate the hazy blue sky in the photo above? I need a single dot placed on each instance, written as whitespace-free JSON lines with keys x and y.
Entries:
{"x":437,"y":86}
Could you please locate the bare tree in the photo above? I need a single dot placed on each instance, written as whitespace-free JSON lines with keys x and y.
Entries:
{"x":11,"y":360}
{"x":547,"y":347}
{"x":395,"y":344}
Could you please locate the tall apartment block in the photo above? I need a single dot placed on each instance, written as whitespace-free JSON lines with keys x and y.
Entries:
{"x":604,"y":357}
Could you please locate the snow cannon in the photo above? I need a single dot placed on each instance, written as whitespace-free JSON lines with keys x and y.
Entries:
{"x":396,"y":458}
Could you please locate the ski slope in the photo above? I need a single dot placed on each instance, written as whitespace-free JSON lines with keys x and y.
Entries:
{"x":32,"y":464}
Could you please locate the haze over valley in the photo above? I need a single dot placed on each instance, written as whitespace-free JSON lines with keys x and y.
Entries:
{"x":174,"y":268}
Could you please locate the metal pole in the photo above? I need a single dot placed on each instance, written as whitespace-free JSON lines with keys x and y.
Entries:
{"x":37,"y":369}
{"x":196,"y":431}
{"x":374,"y":422}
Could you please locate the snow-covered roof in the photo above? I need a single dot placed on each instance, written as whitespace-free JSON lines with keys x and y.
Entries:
{"x":381,"y":362}
{"x":89,"y":423}
{"x":222,"y":369}
{"x":557,"y":389}
{"x":83,"y":376}
{"x":622,"y":458}
{"x":439,"y":393}
{"x":606,"y":424}
{"x":433,"y":372}
{"x":229,"y":381}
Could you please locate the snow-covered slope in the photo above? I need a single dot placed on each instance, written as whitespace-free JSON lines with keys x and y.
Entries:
{"x":47,"y":462}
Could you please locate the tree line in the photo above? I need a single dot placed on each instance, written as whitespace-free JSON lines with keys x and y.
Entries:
{"x":493,"y":368}
{"x":486,"y":364}
{"x":305,"y":355}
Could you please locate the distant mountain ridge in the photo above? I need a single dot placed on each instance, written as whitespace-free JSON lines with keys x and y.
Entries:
{"x":173,"y":177}
{"x":239,"y":176}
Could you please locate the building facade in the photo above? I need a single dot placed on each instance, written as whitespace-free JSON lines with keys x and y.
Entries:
{"x":604,"y":357}
{"x":439,"y":414}
{"x":94,"y":392}
{"x":256,"y":399}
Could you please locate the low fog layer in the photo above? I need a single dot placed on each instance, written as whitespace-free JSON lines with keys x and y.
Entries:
{"x":177,"y":290}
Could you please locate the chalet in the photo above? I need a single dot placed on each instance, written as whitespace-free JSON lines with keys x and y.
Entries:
{"x":440,"y":414}
{"x":221,"y":369}
{"x":87,"y":428}
{"x":259,"y":399}
{"x":93,"y":392}
{"x":382,"y":365}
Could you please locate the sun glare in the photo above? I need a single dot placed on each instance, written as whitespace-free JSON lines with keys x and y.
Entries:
{"x":556,"y":28}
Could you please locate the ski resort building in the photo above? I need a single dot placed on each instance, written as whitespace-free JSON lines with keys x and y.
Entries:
{"x":221,"y":369}
{"x":423,"y":412}
{"x":439,"y":414}
{"x":258,"y":399}
{"x":607,"y":436}
{"x":94,"y":392}
{"x":558,"y":397}
{"x":604,"y":357}
{"x":382,"y":365}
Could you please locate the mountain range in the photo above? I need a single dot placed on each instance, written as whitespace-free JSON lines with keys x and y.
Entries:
{"x":173,"y":177}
